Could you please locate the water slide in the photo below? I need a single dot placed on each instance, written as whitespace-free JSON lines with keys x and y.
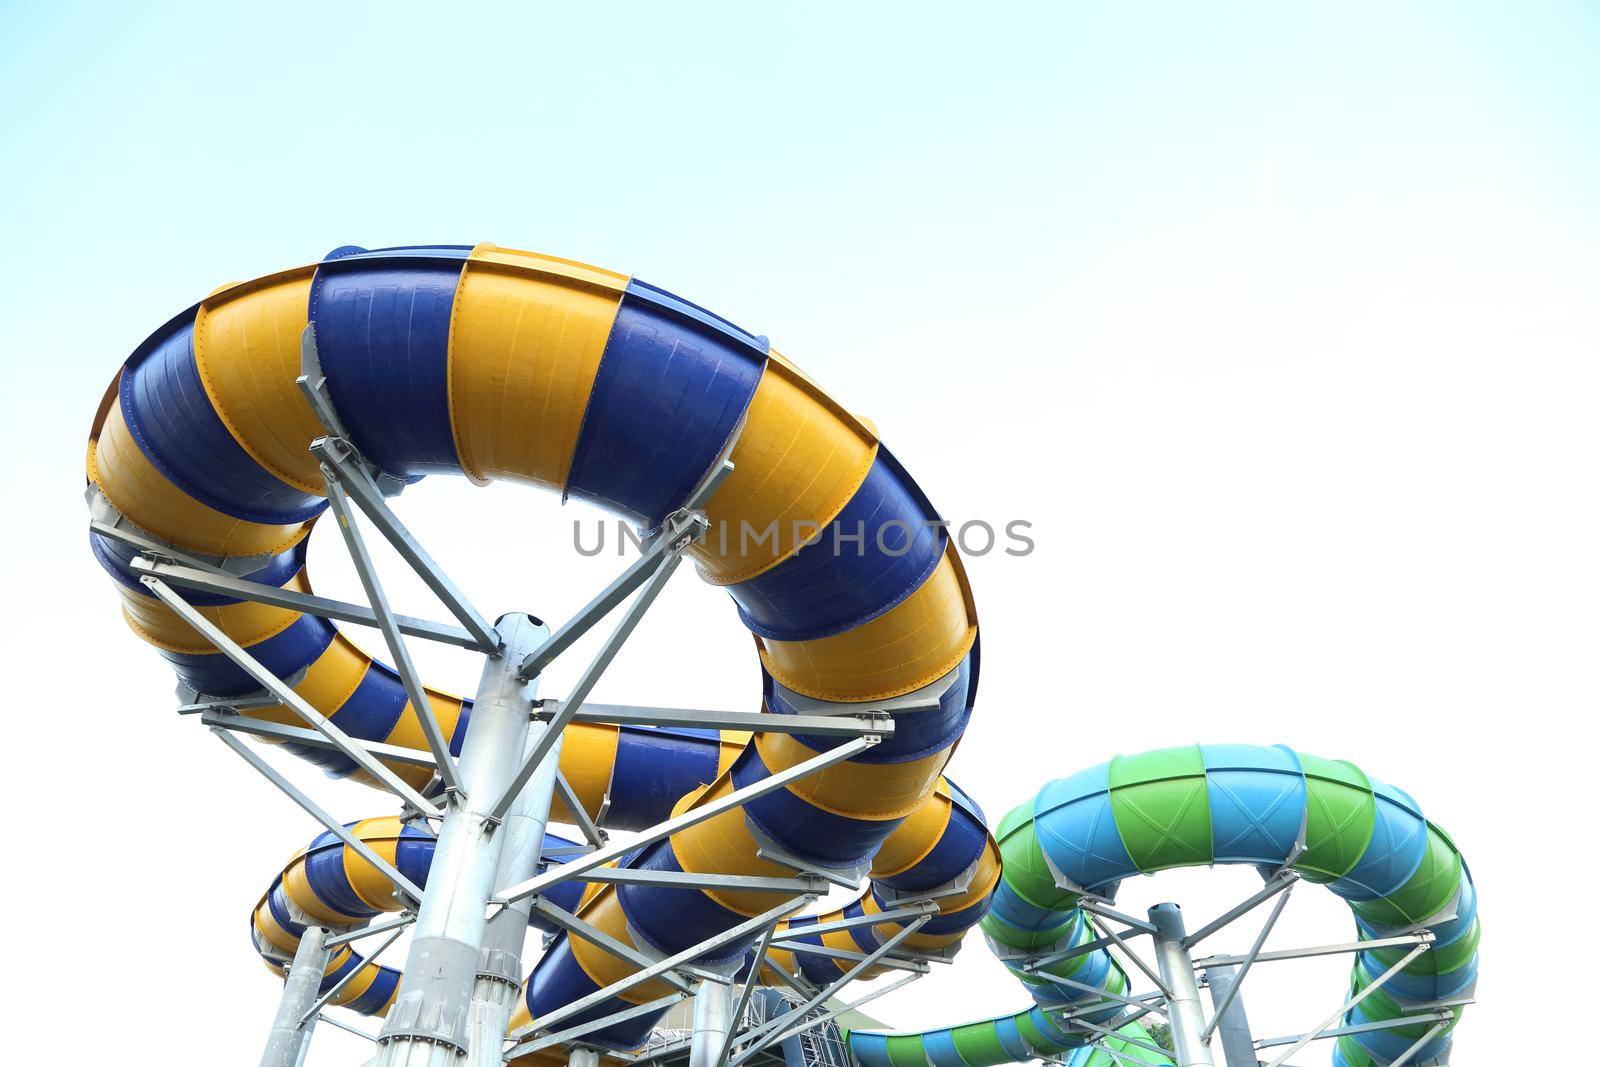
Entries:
{"x":330,"y":884}
{"x":499,"y":364}
{"x":1270,"y":808}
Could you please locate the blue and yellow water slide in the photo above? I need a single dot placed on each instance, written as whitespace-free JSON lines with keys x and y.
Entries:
{"x":500,"y":364}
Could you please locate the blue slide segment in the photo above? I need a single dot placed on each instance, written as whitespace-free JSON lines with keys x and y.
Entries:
{"x":382,"y":322}
{"x":672,"y":386}
{"x":175,"y":425}
{"x":878,"y":551}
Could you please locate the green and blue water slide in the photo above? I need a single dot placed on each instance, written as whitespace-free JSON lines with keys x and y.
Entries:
{"x":1272,"y":808}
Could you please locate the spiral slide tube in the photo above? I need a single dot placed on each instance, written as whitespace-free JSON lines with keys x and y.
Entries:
{"x":329,"y":884}
{"x":502,"y":364}
{"x":1209,"y":804}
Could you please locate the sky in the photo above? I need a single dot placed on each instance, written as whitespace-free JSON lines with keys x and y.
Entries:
{"x":1276,"y":322}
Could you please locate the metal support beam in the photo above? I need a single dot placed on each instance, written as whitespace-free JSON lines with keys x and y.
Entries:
{"x":277,"y":731}
{"x":1362,"y":1028}
{"x":155,"y":549}
{"x":428,"y":1024}
{"x":1094,"y":906}
{"x":591,"y":675}
{"x":845,"y":878}
{"x":1104,"y":930}
{"x":1375,"y":985}
{"x":1107,"y":1032}
{"x":738,"y":933}
{"x":1228,"y":1019}
{"x":1416,"y":1046}
{"x":1185,"y":1016}
{"x":1144,"y":1003}
{"x":500,"y":963}
{"x":1235,"y":978}
{"x":421,"y":705}
{"x":713,"y":1023}
{"x":1108,"y":997}
{"x":569,"y":799}
{"x":403,"y":884}
{"x":637,"y":573}
{"x":333,"y":991}
{"x":339,"y":1024}
{"x":405,"y":918}
{"x":562,"y":1037}
{"x":290,"y":1034}
{"x":751,"y":980}
{"x":772,"y":1031}
{"x":893,"y":963}
{"x":795,"y":933}
{"x":694,"y":816}
{"x":227,"y":704}
{"x":576,"y":927}
{"x":852,"y":725}
{"x":287,"y":696}
{"x":1278,"y":883}
{"x":689,"y":880}
{"x":796,"y":981}
{"x":187,"y":577}
{"x":342,"y":458}
{"x":829,"y":1016}
{"x":667,"y":543}
{"x":1421,"y":937}
{"x":1031,"y":964}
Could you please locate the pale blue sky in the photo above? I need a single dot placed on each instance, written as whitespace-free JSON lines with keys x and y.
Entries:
{"x":1278,"y":320}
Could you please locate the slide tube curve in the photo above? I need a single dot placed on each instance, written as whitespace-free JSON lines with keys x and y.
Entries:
{"x":1326,"y":820}
{"x":499,"y":364}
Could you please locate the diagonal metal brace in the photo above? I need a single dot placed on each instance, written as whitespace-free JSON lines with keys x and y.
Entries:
{"x":205,"y":581}
{"x":676,"y":533}
{"x":421,"y":706}
{"x":287,"y":696}
{"x":312,"y":808}
{"x":692,"y":817}
{"x":341,"y":457}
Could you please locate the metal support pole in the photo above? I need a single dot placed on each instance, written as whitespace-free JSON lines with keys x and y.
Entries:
{"x":494,"y":996}
{"x":370,"y":961}
{"x":1184,"y":1013}
{"x":289,"y":1038}
{"x":1222,"y":999}
{"x":427,"y":1027}
{"x":1231,"y":1023}
{"x":713,"y":1018}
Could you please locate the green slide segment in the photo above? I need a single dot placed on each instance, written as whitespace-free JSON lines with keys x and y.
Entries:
{"x":1272,"y":808}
